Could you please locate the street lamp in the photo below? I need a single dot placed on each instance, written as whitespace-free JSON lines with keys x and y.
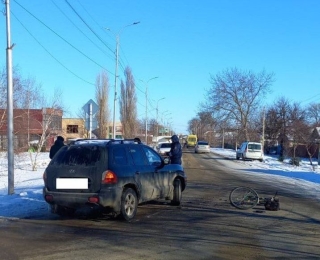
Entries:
{"x":146,"y":83}
{"x":116,"y":75}
{"x":167,"y":124}
{"x":157,"y":114}
{"x":164,"y":118}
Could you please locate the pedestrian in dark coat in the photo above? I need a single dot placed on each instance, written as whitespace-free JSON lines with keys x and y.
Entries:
{"x":57,"y":145}
{"x":175,"y":153}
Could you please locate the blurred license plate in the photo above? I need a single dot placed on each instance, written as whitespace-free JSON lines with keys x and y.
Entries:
{"x":72,"y":183}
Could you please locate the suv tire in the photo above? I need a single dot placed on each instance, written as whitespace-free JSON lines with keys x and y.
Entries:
{"x":177,"y":193}
{"x":129,"y":204}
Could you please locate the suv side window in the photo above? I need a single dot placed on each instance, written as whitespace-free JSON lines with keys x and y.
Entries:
{"x":119,"y":156}
{"x":152,"y":156}
{"x":137,"y":155}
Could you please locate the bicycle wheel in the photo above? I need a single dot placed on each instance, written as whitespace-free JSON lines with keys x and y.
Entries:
{"x":244,"y":198}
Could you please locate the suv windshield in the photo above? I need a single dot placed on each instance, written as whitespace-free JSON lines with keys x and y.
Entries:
{"x":202,"y":143}
{"x":77,"y":155}
{"x":165,"y":145}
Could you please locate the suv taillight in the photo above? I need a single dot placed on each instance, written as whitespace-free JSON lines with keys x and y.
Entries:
{"x":109,"y":177}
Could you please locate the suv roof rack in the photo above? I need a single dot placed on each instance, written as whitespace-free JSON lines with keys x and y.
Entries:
{"x":109,"y":141}
{"x":125,"y":141}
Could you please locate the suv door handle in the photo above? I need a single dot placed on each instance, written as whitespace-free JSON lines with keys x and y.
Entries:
{"x":137,"y":172}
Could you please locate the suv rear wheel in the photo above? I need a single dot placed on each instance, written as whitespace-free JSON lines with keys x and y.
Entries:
{"x":129,"y":204}
{"x":177,"y":193}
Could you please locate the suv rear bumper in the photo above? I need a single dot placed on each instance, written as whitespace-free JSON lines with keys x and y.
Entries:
{"x":107,"y":198}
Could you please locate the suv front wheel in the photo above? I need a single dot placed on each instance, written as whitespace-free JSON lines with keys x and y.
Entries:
{"x":129,"y":204}
{"x":177,"y":193}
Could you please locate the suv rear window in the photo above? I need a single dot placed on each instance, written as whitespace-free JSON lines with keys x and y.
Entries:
{"x":254,"y":147}
{"x":78,"y":155}
{"x":202,"y":143}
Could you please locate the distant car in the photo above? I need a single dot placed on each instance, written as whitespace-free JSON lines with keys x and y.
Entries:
{"x":202,"y":147}
{"x":163,"y":148}
{"x":250,"y":150}
{"x":113,"y":176}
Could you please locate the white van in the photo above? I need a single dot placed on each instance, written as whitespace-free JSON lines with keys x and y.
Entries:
{"x":250,"y":150}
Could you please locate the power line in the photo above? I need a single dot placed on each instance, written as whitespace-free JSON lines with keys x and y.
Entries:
{"x":64,"y":39}
{"x":88,"y":25}
{"x":49,"y":52}
{"x":314,"y":96}
{"x":94,"y":19}
{"x":85,"y":35}
{"x":120,"y":62}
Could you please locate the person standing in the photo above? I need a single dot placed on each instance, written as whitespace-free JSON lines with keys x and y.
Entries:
{"x":175,"y":153}
{"x":57,"y":145}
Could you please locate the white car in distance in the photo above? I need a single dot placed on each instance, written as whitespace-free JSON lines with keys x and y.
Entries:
{"x":163,"y":148}
{"x":202,"y":147}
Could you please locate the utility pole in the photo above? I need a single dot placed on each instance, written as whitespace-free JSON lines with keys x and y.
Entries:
{"x":115,"y":88}
{"x":9,"y":104}
{"x":146,"y":123}
{"x":116,"y":76}
{"x":263,"y":128}
{"x":158,"y":114}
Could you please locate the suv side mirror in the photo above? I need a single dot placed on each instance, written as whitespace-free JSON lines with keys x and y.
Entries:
{"x":166,"y":160}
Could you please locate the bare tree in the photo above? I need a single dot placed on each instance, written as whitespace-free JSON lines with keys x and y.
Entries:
{"x":298,"y":130}
{"x":50,"y":123}
{"x":313,"y":114}
{"x":193,"y":125}
{"x":18,"y":85}
{"x":82,"y":115}
{"x":235,"y":96}
{"x":102,"y":95}
{"x":277,"y":124}
{"x":17,"y":95}
{"x":128,"y":105}
{"x":153,"y":126}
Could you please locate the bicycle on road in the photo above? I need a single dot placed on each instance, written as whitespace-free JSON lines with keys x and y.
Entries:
{"x":247,"y":198}
{"x":244,"y":198}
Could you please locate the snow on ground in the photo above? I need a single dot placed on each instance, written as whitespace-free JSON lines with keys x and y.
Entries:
{"x":28,"y":184}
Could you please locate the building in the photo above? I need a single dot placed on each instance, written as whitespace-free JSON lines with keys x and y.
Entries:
{"x":29,"y":125}
{"x":74,"y":128}
{"x":32,"y":125}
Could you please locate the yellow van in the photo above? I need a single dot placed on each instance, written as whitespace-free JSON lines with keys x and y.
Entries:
{"x":191,"y":141}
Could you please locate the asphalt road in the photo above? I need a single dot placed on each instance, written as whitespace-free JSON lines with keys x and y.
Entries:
{"x":205,"y":226}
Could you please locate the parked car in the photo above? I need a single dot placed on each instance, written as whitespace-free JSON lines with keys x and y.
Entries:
{"x":250,"y":150}
{"x":163,"y":148}
{"x":202,"y":147}
{"x":111,"y":175}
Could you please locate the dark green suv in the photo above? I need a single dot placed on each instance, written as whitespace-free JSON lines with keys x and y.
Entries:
{"x":113,"y":175}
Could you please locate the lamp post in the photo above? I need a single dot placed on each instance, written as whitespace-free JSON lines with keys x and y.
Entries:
{"x":157,"y":114}
{"x":116,"y":75}
{"x":146,"y":83}
{"x":167,"y":124}
{"x":165,"y":119}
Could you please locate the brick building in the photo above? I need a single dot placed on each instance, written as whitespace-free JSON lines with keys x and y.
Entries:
{"x":29,"y":125}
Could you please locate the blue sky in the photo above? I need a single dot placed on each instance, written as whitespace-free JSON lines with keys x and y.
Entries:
{"x":180,"y":42}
